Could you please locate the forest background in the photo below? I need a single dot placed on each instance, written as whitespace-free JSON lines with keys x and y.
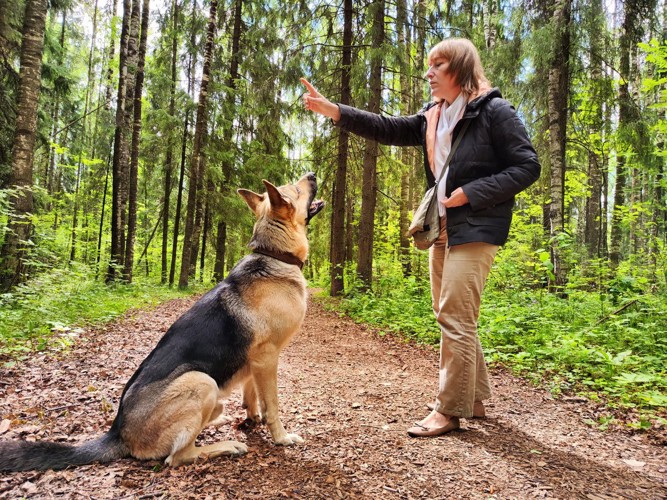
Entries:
{"x":126,"y":127}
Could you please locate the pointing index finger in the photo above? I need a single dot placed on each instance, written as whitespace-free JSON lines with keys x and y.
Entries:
{"x":308,"y":85}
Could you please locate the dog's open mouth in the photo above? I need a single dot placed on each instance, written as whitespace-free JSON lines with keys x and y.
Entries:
{"x":314,"y":209}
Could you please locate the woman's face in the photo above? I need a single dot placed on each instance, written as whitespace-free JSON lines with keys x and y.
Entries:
{"x":442,"y":82}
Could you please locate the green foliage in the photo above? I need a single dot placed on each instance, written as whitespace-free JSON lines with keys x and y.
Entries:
{"x":399,"y":306}
{"x":620,"y":357}
{"x":47,"y":310}
{"x":656,"y":54}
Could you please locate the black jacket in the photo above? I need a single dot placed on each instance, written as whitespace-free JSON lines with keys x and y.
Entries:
{"x":494,"y":161}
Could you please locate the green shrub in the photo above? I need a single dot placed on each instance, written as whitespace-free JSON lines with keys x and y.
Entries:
{"x":36,"y":313}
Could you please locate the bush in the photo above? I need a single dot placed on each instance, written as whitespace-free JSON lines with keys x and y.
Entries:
{"x":60,"y":299}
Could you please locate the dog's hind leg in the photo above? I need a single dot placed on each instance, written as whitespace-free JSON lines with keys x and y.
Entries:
{"x":218,"y":418}
{"x":180,"y":412}
{"x":265,"y":373}
{"x":250,"y":402}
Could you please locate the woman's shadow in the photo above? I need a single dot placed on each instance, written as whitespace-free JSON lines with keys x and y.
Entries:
{"x":560,"y":473}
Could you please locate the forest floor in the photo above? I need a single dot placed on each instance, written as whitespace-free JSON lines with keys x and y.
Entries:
{"x":351,"y":394}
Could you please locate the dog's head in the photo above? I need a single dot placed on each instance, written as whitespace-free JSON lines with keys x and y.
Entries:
{"x":282,"y":215}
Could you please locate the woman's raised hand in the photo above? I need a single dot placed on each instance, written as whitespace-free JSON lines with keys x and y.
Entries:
{"x":317,"y":103}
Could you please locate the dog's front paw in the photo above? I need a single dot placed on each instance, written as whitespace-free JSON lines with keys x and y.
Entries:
{"x":237,"y":448}
{"x":289,"y":440}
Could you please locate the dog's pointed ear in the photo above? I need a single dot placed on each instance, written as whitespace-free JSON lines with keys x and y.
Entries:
{"x":251,"y":198}
{"x":277,"y":200}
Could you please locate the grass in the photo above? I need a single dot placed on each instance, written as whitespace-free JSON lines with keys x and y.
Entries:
{"x":49,"y":308}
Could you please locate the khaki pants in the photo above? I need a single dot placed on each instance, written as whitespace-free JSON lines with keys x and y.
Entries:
{"x":458,"y":275}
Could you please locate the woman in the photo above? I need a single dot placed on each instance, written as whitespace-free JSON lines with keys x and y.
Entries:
{"x":494,"y":161}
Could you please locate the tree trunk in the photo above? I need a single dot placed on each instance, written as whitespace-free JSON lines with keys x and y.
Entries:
{"x":89,"y":142}
{"x":130,"y":82}
{"x":75,"y":210}
{"x":221,"y":238}
{"x":417,"y":188}
{"x":594,"y":215}
{"x":405,"y":45}
{"x":206,"y":228}
{"x":660,"y":203}
{"x":52,"y":163}
{"x":199,"y":209}
{"x":350,"y":222}
{"x":557,"y":101}
{"x":369,"y":182}
{"x":80,"y":165}
{"x":101,"y":230}
{"x":468,"y":8}
{"x":169,"y":160}
{"x":605,"y":209}
{"x":490,"y":11}
{"x":112,"y":53}
{"x":119,"y":148}
{"x":14,"y":251}
{"x":229,"y":112}
{"x":659,"y":226}
{"x":136,"y":139}
{"x":196,"y":149}
{"x":337,"y":248}
{"x":51,"y":168}
{"x":626,"y":116}
{"x":150,"y":238}
{"x":186,"y":133}
{"x":179,"y":200}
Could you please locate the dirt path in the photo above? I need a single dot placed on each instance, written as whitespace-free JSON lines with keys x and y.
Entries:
{"x":351,"y":395}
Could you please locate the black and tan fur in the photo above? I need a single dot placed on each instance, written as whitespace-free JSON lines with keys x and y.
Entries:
{"x":231,"y":337}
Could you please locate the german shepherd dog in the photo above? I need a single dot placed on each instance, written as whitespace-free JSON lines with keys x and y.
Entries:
{"x":232,"y":336}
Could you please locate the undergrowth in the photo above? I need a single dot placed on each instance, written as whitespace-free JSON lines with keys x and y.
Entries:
{"x":609,"y":347}
{"x":51,"y":307}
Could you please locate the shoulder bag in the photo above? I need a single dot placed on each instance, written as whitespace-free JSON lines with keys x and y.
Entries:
{"x":425,"y":226}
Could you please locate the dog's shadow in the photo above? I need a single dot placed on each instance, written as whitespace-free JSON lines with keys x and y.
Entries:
{"x":289,"y":469}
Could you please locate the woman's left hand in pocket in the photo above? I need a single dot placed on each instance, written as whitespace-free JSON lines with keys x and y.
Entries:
{"x":457,"y":199}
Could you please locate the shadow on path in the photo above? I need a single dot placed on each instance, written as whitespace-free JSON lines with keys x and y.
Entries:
{"x":561,"y":473}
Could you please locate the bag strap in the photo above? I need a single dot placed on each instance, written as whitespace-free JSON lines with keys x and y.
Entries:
{"x":451,"y":151}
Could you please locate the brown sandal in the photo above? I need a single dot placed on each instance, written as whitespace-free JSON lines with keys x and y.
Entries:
{"x":420,"y":430}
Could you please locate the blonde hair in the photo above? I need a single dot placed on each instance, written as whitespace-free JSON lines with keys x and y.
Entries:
{"x":464,"y":64}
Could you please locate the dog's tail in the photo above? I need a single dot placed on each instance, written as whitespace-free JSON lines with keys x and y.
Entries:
{"x":38,"y":455}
